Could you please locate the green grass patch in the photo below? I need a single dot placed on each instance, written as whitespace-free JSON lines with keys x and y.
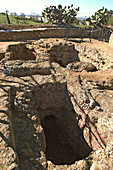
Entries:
{"x":15,"y":20}
{"x":111,"y":21}
{"x":3,"y":18}
{"x":83,"y":26}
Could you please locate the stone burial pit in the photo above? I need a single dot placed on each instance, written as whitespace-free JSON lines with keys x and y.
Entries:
{"x":65,"y":143}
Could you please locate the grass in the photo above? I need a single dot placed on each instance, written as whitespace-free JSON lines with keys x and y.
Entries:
{"x":15,"y":20}
{"x":3,"y":19}
{"x":82,"y":26}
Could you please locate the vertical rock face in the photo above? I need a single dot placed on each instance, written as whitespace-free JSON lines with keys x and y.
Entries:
{"x":28,"y":139}
{"x":111,"y":40}
{"x":55,"y":117}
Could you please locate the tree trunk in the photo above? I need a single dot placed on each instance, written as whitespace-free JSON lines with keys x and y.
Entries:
{"x":8,"y":20}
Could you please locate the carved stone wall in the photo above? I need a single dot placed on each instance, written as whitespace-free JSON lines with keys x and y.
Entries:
{"x":46,"y":33}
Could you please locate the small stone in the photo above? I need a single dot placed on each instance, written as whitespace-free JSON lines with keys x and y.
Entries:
{"x":111,"y":40}
{"x":92,"y":104}
{"x":13,"y":167}
{"x":98,"y":151}
{"x":34,"y":118}
{"x":97,"y":165}
{"x":98,"y":108}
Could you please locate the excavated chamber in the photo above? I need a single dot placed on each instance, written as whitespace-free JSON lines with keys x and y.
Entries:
{"x":65,"y":143}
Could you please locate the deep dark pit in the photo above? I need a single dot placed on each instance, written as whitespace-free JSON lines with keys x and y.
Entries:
{"x":65,"y":143}
{"x":58,"y":149}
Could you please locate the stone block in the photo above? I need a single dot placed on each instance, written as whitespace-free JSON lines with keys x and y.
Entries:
{"x":111,"y":40}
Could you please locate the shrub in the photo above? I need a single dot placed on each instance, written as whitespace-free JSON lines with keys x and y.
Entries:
{"x":100,"y":18}
{"x":111,"y":21}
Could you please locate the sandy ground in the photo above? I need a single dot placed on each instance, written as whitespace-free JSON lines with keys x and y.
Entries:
{"x":4,"y":44}
{"x":95,"y":43}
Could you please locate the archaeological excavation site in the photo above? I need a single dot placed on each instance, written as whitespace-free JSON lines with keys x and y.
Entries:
{"x":56,"y":101}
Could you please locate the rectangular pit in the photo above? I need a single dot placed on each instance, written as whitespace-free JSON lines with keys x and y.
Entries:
{"x":65,"y":143}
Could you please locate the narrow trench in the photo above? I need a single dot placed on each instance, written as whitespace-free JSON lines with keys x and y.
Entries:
{"x":65,"y":143}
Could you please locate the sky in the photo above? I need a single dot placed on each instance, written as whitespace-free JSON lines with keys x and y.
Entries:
{"x":87,"y":7}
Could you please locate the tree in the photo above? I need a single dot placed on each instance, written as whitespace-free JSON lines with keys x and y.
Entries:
{"x":41,"y":20}
{"x":34,"y":16}
{"x":11,"y":13}
{"x":111,"y":12}
{"x":100,"y":18}
{"x":14,"y":13}
{"x":22,"y":15}
{"x":61,"y":16}
{"x":8,"y":20}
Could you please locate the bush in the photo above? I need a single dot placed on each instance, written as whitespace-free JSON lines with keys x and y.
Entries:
{"x":111,"y":21}
{"x":60,"y":15}
{"x":100,"y":18}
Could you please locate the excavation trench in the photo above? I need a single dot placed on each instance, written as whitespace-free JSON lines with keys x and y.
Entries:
{"x":65,"y":143}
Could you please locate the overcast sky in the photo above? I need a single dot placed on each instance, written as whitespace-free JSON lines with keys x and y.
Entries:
{"x":87,"y":7}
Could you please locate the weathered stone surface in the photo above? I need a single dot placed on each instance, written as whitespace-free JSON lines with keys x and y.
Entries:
{"x":2,"y":55}
{"x":53,"y":103}
{"x":80,"y":66}
{"x":97,"y":165}
{"x":59,"y":120}
{"x":97,"y":56}
{"x":63,"y":54}
{"x":58,"y":52}
{"x":20,"y":52}
{"x":31,"y":34}
{"x":102,"y":79}
{"x":111,"y":40}
{"x":22,"y":69}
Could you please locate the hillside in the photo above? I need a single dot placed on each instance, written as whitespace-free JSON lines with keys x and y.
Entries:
{"x":16,"y":20}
